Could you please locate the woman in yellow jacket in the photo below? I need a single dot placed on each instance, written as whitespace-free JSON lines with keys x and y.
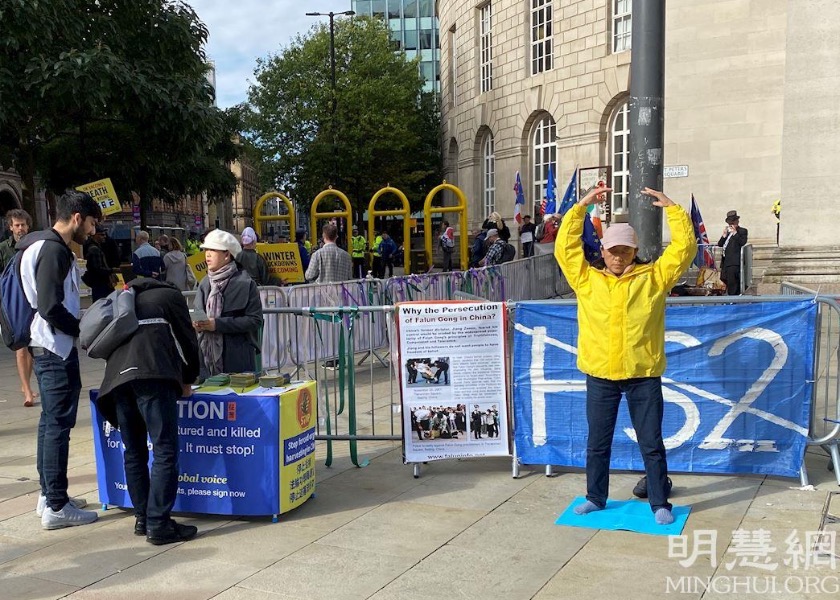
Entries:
{"x":621,"y":340}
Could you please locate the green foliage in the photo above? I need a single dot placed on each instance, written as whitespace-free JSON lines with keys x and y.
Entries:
{"x":385,"y":129}
{"x":112,"y":88}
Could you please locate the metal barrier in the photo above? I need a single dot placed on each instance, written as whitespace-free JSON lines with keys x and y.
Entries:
{"x":824,"y":429}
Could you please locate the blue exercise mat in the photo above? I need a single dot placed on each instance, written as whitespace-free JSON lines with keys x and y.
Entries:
{"x":627,"y":515}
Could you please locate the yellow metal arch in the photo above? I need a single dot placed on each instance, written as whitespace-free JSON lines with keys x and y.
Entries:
{"x":260,"y":218}
{"x":404,"y":212}
{"x":347,"y":213}
{"x":460,"y":208}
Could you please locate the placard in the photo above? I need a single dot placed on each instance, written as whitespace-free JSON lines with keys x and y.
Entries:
{"x":103,"y":192}
{"x":453,"y":380}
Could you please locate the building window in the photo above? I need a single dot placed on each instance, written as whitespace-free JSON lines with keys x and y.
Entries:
{"x":541,"y":32}
{"x":622,"y":24}
{"x":489,"y":174}
{"x":486,"y":48}
{"x":543,"y":153}
{"x":620,"y":152}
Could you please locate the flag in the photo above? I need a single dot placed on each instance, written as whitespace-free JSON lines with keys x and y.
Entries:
{"x":570,"y":197}
{"x":595,"y":216}
{"x":591,"y":241}
{"x":704,"y":253}
{"x":519,"y":201}
{"x":550,"y":206}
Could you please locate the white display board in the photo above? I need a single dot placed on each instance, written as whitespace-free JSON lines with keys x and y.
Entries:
{"x":453,"y":380}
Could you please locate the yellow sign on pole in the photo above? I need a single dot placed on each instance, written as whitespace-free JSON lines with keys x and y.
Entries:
{"x":198,"y":264}
{"x":297,"y":454}
{"x":103,"y":192}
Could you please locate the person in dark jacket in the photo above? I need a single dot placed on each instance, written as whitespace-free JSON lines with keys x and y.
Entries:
{"x":98,"y":275}
{"x":144,"y":378}
{"x":146,"y":260}
{"x":229,"y":335}
{"x":733,"y":239}
{"x":252,"y":262}
{"x":300,"y":240}
{"x":495,"y":221}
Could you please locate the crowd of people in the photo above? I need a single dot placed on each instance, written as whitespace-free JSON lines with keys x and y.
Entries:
{"x":439,"y":422}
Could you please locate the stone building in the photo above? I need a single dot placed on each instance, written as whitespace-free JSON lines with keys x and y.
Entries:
{"x":752,"y":104}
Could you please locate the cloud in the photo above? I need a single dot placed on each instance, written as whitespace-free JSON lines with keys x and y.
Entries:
{"x":245,"y":30}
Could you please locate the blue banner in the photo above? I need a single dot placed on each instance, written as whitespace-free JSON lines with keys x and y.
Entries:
{"x":737,"y":388}
{"x":228,"y":463}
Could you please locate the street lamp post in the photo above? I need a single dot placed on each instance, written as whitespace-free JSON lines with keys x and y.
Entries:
{"x":333,"y":102}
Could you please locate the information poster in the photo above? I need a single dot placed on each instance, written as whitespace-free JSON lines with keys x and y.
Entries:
{"x":453,"y":380}
{"x":239,"y":455}
{"x":103,"y":192}
{"x":297,"y":428}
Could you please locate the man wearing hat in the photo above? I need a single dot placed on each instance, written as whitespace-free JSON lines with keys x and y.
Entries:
{"x":733,"y":239}
{"x":495,"y":249}
{"x":621,"y":340}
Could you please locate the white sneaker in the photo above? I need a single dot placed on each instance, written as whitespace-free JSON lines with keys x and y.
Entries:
{"x":42,"y":504}
{"x":69,"y":516}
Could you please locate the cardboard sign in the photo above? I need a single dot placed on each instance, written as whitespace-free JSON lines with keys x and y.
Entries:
{"x":103,"y":192}
{"x":283,"y":260}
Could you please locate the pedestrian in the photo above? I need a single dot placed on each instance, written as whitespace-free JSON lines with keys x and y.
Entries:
{"x":146,"y":261}
{"x":177,"y":271}
{"x":495,"y":221}
{"x":477,"y":250}
{"x":621,"y":340}
{"x":734,"y":238}
{"x":253,"y":263}
{"x":377,"y":266}
{"x":303,"y":248}
{"x":111,"y":250}
{"x":526,"y":236}
{"x":358,"y":245}
{"x":50,"y":281}
{"x":99,"y":277}
{"x":446,"y":242}
{"x":144,"y":379}
{"x":163,"y":244}
{"x":495,"y":249}
{"x":228,"y":333}
{"x":19,"y":223}
{"x":389,"y":249}
{"x":329,"y":264}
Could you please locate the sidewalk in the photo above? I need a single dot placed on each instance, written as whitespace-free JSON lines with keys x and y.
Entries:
{"x":464,"y":529}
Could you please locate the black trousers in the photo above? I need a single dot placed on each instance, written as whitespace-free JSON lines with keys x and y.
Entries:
{"x":359,"y":267}
{"x":732,"y":276}
{"x":150,"y":407}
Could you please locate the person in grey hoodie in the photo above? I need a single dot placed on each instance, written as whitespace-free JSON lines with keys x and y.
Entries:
{"x":177,"y":272}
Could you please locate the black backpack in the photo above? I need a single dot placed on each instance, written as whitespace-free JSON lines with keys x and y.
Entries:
{"x":508,"y":253}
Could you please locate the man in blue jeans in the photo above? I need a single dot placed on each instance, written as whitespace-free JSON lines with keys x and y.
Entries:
{"x":51,"y":284}
{"x":621,"y":340}
{"x":144,"y":379}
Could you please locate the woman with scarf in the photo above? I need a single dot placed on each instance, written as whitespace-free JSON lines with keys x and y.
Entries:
{"x":228,"y":331}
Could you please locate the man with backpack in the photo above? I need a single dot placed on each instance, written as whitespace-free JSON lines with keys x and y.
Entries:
{"x":144,"y":379}
{"x":19,"y":223}
{"x":496,"y":251}
{"x":50,"y":281}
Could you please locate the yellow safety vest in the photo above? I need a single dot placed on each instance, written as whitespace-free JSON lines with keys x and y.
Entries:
{"x":377,"y":243}
{"x":359,"y":245}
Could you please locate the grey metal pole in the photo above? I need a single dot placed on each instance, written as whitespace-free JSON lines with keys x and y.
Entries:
{"x":647,"y":121}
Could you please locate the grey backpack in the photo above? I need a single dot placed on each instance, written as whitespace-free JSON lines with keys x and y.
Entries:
{"x":108,"y":324}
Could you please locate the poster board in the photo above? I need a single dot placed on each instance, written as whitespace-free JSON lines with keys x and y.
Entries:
{"x":453,"y":380}
{"x":284,"y":263}
{"x":103,"y":192}
{"x":589,"y":177}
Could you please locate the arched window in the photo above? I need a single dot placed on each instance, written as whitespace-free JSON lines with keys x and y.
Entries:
{"x":620,"y":153}
{"x":543,"y":154}
{"x":488,"y":174}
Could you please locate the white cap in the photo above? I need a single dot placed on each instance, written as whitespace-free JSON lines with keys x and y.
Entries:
{"x":223,"y":241}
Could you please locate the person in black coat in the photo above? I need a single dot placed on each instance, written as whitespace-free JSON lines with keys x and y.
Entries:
{"x":733,"y":239}
{"x":144,"y":378}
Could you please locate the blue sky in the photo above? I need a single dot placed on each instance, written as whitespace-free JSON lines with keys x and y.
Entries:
{"x":244,"y":30}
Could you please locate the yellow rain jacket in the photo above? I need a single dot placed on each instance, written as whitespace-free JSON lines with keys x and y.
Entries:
{"x":621,"y":320}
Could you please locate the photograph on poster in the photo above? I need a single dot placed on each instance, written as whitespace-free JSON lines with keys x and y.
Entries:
{"x":439,"y":422}
{"x":422,"y":371}
{"x":484,"y":421}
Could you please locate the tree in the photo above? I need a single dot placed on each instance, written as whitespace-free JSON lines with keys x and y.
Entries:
{"x":385,"y":129}
{"x":111,"y":88}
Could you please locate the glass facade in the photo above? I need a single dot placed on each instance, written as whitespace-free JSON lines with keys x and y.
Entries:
{"x":414,"y":29}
